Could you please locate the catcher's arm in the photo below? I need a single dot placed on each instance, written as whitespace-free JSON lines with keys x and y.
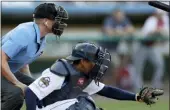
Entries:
{"x":147,"y":95}
{"x":116,"y":93}
{"x":42,"y":87}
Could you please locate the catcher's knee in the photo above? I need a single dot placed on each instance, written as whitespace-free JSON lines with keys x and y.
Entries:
{"x":84,"y":103}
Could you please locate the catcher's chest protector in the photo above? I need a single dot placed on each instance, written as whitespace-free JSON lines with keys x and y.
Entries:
{"x":73,"y":86}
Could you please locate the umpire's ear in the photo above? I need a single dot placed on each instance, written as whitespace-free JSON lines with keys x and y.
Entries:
{"x":157,"y":92}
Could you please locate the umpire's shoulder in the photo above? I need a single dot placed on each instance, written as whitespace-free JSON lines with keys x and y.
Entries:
{"x":22,"y":31}
{"x":24,"y":26}
{"x":59,"y":68}
{"x":28,"y":28}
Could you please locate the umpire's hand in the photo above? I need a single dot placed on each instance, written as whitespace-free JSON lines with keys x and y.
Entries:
{"x":21,"y":85}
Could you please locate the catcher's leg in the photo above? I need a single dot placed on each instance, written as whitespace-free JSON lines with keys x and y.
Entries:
{"x":60,"y":105}
{"x":84,"y":103}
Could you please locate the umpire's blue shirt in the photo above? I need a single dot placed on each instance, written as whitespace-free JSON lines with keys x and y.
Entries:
{"x":23,"y":45}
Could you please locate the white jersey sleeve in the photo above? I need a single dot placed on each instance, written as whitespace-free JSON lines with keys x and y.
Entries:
{"x":46,"y":83}
{"x":93,"y":88}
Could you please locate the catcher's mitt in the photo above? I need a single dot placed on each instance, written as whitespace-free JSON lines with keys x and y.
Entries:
{"x":149,"y":95}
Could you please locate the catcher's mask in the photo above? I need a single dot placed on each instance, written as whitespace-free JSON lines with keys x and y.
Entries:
{"x":52,"y":12}
{"x":101,"y":57}
{"x":101,"y":64}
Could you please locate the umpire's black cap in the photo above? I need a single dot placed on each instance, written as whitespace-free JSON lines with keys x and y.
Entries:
{"x":84,"y":51}
{"x":45,"y":10}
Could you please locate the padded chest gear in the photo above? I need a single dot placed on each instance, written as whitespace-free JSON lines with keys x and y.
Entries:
{"x":58,"y":68}
{"x":74,"y":84}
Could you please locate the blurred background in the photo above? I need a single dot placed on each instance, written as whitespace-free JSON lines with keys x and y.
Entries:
{"x":136,"y":35}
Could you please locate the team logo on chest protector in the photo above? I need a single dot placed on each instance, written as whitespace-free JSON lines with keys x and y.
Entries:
{"x":44,"y":82}
{"x":80,"y":81}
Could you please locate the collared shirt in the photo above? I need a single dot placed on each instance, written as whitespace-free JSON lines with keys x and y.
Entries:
{"x":23,"y":45}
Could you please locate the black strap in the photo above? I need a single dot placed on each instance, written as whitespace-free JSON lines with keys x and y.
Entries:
{"x":63,"y":62}
{"x":68,"y":71}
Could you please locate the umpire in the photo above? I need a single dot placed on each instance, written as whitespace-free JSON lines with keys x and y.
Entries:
{"x":23,"y":45}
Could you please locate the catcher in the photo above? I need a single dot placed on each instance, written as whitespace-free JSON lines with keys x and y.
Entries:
{"x":69,"y":83}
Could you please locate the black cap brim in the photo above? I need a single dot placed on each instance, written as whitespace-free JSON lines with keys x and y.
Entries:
{"x":72,"y":58}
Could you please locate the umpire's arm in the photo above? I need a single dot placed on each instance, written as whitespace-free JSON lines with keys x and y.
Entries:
{"x":26,"y":70}
{"x":6,"y":72}
{"x":11,"y":48}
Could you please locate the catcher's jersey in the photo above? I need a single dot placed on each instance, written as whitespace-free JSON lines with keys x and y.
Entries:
{"x":61,"y":82}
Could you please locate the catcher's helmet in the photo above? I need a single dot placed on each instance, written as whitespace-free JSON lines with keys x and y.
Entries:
{"x":96,"y":54}
{"x":52,"y":12}
{"x":84,"y":51}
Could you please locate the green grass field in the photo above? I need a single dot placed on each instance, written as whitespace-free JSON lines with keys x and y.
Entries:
{"x":117,"y":105}
{"x":127,"y":105}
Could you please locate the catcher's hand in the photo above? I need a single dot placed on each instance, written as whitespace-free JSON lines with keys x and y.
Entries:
{"x":149,"y":95}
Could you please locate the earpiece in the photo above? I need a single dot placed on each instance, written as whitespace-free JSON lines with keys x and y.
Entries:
{"x":46,"y":23}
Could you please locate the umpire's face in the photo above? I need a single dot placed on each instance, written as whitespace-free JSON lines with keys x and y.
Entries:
{"x":49,"y":23}
{"x":86,"y":65}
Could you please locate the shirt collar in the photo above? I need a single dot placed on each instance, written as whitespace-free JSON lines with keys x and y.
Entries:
{"x":37,"y":30}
